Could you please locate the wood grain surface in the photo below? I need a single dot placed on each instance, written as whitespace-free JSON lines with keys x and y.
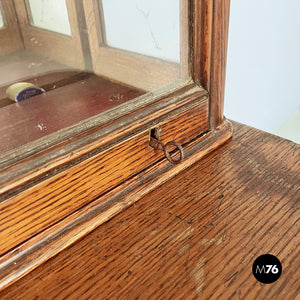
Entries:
{"x":38,"y":207}
{"x":201,"y":43}
{"x":195,"y":237}
{"x":27,"y":256}
{"x":218,"y":55}
{"x":209,"y":44}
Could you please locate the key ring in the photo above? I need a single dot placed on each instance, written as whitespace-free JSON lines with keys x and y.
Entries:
{"x":168,"y":155}
{"x":158,"y":145}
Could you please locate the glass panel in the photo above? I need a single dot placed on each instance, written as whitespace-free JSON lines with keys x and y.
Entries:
{"x":1,"y":18}
{"x":50,"y":15}
{"x":143,"y":26}
{"x":118,"y":50}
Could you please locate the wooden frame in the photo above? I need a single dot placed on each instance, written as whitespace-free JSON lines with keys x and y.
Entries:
{"x":10,"y":36}
{"x":55,"y":190}
{"x":36,"y":38}
{"x":144,"y":72}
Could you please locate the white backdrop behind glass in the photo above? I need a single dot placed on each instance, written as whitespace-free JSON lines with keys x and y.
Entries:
{"x":144,"y":27}
{"x":50,"y":15}
{"x":1,"y":19}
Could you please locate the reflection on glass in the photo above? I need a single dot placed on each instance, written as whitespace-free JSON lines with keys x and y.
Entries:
{"x":1,"y":19}
{"x":143,"y":26}
{"x":50,"y":15}
{"x":118,"y":50}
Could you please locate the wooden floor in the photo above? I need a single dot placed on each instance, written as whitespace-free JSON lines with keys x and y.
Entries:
{"x":195,"y":237}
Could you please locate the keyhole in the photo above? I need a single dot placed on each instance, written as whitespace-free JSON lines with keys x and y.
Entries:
{"x":155,"y":133}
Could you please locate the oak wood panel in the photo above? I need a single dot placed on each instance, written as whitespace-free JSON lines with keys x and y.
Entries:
{"x":29,"y":255}
{"x":195,"y":237}
{"x":202,"y":38}
{"x":209,"y":56}
{"x":46,"y":203}
{"x":10,"y":34}
{"x":217,"y":73}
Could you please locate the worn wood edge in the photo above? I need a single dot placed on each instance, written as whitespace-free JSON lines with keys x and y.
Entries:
{"x":23,"y":172}
{"x":28,"y":256}
{"x":111,"y":115}
{"x":201,"y":41}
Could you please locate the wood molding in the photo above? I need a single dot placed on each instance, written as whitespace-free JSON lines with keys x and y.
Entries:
{"x":27,"y":256}
{"x":220,"y":23}
{"x":202,"y":37}
{"x":210,"y":38}
{"x":48,"y":153}
{"x":45,"y":203}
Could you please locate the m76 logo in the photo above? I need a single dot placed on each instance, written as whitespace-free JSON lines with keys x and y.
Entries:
{"x":266,"y":269}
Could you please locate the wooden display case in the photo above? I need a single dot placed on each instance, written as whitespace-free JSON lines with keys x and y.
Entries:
{"x":63,"y":182}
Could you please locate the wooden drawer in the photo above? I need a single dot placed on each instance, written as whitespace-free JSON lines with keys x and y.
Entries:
{"x":46,"y":203}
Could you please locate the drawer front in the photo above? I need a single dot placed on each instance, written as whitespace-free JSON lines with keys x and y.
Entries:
{"x":42,"y":205}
